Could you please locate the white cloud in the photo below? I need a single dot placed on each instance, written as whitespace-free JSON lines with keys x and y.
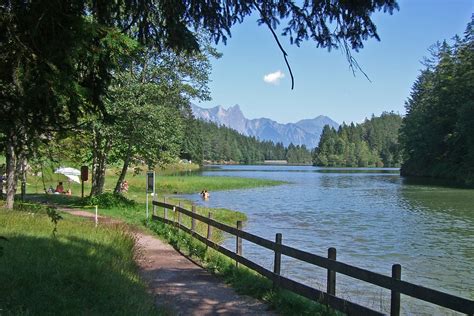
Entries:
{"x":274,"y":77}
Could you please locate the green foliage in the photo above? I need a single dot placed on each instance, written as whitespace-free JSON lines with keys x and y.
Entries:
{"x":148,"y":102}
{"x":39,"y":82}
{"x":55,"y":218}
{"x":438,"y":131}
{"x":373,"y":143}
{"x":298,"y":155}
{"x":147,"y":126}
{"x":109,"y":200}
{"x":85,"y":269}
{"x":192,"y":146}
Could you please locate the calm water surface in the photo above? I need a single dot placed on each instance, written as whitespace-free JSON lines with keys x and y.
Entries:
{"x":372,"y":217}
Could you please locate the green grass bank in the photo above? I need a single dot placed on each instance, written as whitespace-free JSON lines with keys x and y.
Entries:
{"x":83,"y":270}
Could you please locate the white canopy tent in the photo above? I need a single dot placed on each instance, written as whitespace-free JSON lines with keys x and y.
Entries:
{"x":71,"y":173}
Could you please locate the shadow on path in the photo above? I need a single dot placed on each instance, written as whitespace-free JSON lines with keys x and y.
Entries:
{"x":186,"y":288}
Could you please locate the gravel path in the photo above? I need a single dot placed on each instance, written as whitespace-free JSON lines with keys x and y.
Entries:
{"x":179,"y":285}
{"x":185,"y":288}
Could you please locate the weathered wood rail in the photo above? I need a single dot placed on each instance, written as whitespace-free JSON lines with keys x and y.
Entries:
{"x":392,"y":283}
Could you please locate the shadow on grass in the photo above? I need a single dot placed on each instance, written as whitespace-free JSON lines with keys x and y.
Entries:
{"x":68,"y":275}
{"x":56,"y":199}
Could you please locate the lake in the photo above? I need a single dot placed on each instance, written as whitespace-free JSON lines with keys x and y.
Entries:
{"x":372,"y":216}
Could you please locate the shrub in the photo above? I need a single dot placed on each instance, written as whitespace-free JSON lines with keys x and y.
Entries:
{"x":109,"y":200}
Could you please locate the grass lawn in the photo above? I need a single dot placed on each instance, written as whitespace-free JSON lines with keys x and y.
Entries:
{"x":84,"y":270}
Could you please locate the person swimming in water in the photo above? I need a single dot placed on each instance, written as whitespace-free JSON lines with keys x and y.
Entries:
{"x":205,"y":194}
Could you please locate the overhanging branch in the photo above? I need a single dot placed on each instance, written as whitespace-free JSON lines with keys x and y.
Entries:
{"x":265,"y":19}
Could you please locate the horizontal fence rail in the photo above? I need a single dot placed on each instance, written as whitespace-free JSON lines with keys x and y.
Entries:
{"x":333,"y":266}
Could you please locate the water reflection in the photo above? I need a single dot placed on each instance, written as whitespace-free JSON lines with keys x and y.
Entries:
{"x":455,"y":202}
{"x":372,"y":217}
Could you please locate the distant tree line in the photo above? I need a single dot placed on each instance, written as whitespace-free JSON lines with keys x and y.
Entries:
{"x":207,"y":141}
{"x":373,"y":143}
{"x":438,"y":131}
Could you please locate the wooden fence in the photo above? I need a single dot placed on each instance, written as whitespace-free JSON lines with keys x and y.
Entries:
{"x":392,"y":283}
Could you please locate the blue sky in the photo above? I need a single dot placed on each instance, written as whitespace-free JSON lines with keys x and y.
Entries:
{"x":324,"y":84}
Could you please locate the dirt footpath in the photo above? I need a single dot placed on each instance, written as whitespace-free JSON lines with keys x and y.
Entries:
{"x":179,"y":285}
{"x":185,"y":288}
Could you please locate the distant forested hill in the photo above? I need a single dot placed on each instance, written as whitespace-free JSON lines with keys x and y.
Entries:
{"x":207,"y":141}
{"x":373,"y":143}
{"x":438,"y":131}
{"x":305,"y":132}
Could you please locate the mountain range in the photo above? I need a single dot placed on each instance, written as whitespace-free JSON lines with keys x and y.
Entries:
{"x":305,"y":132}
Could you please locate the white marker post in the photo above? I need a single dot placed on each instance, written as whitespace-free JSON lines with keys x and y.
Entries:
{"x":96,"y":216}
{"x":150,"y":187}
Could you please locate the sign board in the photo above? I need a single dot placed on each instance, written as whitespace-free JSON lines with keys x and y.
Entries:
{"x":150,"y":181}
{"x":84,"y":173}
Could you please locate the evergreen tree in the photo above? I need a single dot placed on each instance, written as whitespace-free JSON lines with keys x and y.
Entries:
{"x":373,"y":143}
{"x":223,"y":144}
{"x":437,"y":133}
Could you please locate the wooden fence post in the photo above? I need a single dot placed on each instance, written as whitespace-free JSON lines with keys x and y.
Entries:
{"x":395,"y":297}
{"x":209,"y":227}
{"x":331,"y":278}
{"x":174,"y":215}
{"x":277,"y":261}
{"x":165,"y":210}
{"x":193,"y":220}
{"x":179,"y":214}
{"x":238,"y":243}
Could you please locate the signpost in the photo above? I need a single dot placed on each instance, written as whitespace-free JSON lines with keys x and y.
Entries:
{"x":84,"y":177}
{"x":150,"y":187}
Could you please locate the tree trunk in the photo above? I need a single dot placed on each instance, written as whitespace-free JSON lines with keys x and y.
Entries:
{"x":21,"y":166}
{"x":42,"y":178}
{"x":11,"y":174}
{"x":1,"y":182}
{"x":101,"y":148}
{"x":123,"y":173}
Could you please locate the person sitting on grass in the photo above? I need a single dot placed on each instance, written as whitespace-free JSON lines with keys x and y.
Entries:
{"x":50,"y":190}
{"x":124,"y":187}
{"x":59,"y":188}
